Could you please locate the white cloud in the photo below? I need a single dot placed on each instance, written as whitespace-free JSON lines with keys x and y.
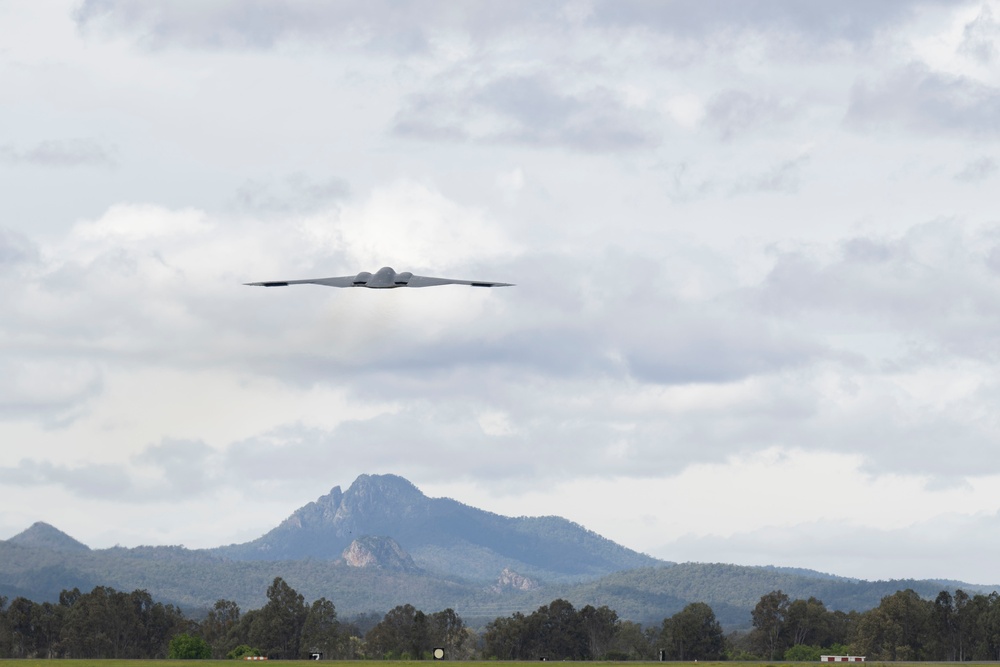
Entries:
{"x":754,"y":246}
{"x":687,"y":110}
{"x":413,"y":225}
{"x":125,"y":224}
{"x":979,"y":37}
{"x":511,"y":183}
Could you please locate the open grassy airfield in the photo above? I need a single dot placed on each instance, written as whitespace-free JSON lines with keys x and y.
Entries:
{"x":392,"y":663}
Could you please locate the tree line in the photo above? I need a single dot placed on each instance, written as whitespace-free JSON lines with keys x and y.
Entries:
{"x":904,"y":626}
{"x":106,"y":623}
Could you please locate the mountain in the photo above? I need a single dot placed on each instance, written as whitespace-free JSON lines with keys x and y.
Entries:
{"x":41,"y":534}
{"x":442,"y":535}
{"x":383,"y":543}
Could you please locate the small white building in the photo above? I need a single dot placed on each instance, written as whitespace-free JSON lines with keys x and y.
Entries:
{"x":842,"y":658}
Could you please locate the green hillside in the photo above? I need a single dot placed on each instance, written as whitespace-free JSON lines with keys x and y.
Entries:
{"x":433,"y":553}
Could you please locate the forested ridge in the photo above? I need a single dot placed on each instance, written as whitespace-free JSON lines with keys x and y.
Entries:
{"x":192,"y":580}
{"x":445,"y":555}
{"x":732,"y":590}
{"x":109,"y":624}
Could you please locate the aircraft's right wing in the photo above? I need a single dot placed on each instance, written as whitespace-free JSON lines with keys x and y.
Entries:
{"x":339,"y":281}
{"x":428,"y":281}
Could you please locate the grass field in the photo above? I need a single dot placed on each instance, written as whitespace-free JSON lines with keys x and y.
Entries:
{"x":413,"y":663}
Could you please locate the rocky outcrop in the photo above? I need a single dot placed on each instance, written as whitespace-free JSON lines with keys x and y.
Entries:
{"x":510,"y":580}
{"x":379,"y":552}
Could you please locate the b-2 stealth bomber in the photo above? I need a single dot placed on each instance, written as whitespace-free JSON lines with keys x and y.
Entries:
{"x":384,"y":278}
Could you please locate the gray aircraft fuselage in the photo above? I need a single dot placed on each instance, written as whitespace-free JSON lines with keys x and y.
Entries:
{"x":384,"y":278}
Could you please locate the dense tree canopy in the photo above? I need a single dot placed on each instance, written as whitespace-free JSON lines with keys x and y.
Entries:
{"x":557,"y":631}
{"x":692,"y":634}
{"x":277,"y":627}
{"x":106,"y":623}
{"x":769,"y":634}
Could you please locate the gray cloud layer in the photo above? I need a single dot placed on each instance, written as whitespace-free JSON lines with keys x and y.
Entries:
{"x":408,"y":26}
{"x":60,"y":153}
{"x":528,"y":110}
{"x":735,"y":228}
{"x":918,"y":98}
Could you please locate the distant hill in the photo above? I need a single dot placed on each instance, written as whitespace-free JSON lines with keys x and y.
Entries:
{"x":442,"y":535}
{"x":733,"y":590}
{"x":41,"y":534}
{"x":383,"y":543}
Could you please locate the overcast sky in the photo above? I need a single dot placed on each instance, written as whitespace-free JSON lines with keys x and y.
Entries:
{"x":756,"y":247}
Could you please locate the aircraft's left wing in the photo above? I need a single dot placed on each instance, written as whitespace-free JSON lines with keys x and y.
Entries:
{"x":339,"y":281}
{"x":427,"y":281}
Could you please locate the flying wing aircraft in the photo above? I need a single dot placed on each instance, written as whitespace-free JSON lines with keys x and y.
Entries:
{"x":384,"y":278}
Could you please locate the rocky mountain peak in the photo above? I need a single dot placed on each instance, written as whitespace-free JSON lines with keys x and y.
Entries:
{"x":369,"y":498}
{"x":374,"y":496}
{"x":320,"y":512}
{"x":440,"y":534}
